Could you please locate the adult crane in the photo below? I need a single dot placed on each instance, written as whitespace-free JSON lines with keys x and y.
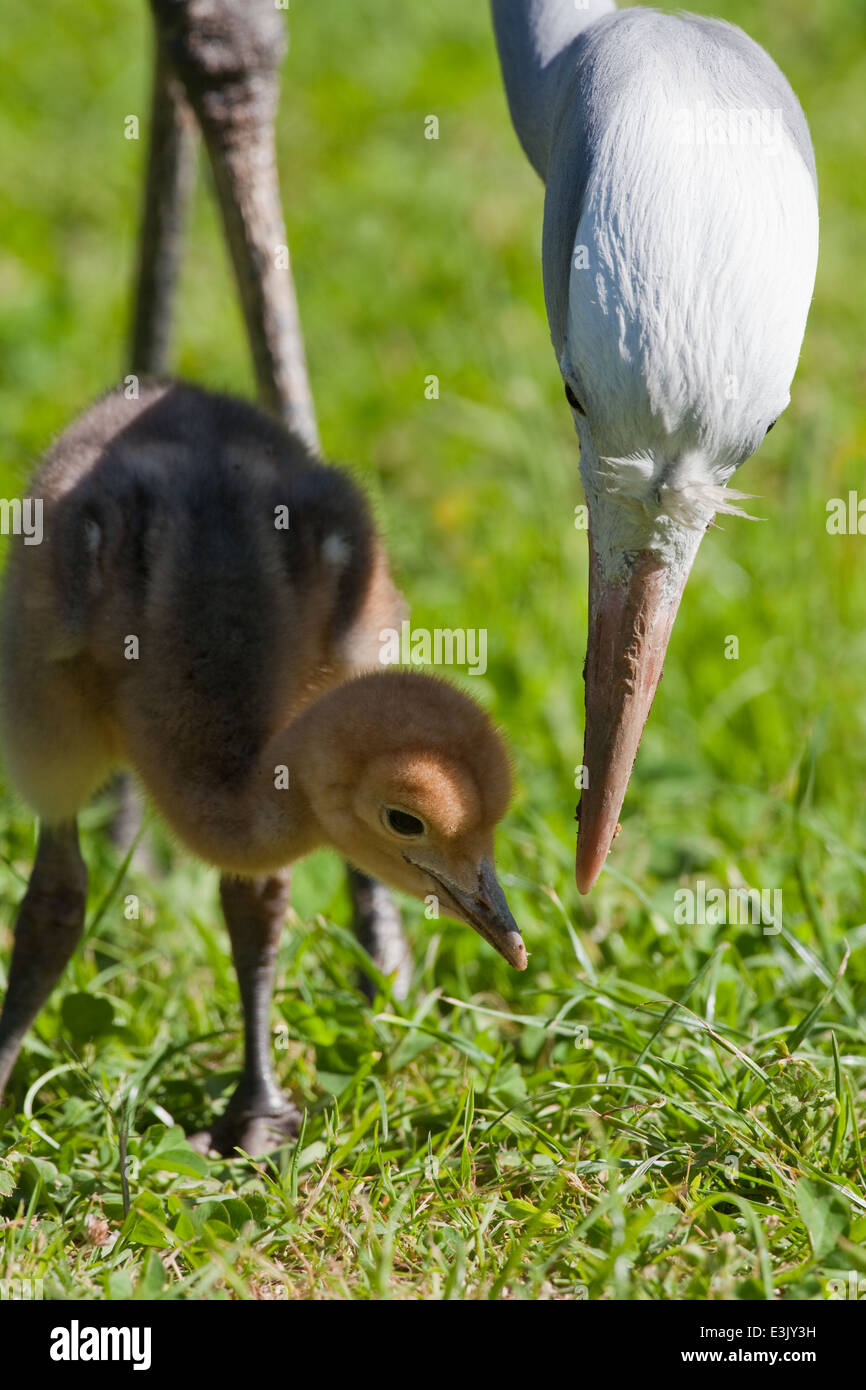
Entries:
{"x":678,"y":255}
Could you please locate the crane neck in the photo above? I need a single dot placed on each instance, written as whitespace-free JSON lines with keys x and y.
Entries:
{"x":530,"y":36}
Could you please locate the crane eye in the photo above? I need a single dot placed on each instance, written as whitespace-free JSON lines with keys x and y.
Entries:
{"x":573,"y":401}
{"x":401,"y":822}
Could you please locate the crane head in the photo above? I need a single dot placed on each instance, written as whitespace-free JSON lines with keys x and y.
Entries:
{"x":679,"y":252}
{"x":684,"y":293}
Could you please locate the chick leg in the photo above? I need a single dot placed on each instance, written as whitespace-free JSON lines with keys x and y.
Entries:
{"x":258,"y":1117}
{"x":377,"y":925}
{"x":48,"y":928}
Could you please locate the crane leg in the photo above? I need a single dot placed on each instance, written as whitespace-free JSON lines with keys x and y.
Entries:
{"x":227,"y":54}
{"x":258,"y":1116}
{"x":171,"y":166}
{"x":48,"y":928}
{"x":230,"y":71}
{"x":171,"y":161}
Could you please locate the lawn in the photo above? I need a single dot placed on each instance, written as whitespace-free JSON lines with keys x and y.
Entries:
{"x":656,"y":1109}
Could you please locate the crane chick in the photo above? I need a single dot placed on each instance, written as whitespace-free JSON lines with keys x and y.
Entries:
{"x":205,"y":607}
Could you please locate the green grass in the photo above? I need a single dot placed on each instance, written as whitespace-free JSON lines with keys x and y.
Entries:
{"x":653,"y":1110}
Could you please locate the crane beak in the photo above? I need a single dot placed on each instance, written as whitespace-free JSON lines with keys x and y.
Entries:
{"x":630,"y":623}
{"x":485,"y":908}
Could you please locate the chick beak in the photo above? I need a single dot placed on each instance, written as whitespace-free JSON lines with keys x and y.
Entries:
{"x":485,"y":908}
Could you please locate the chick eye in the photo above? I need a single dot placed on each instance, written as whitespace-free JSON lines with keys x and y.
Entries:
{"x":573,"y":401}
{"x":402,"y":823}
